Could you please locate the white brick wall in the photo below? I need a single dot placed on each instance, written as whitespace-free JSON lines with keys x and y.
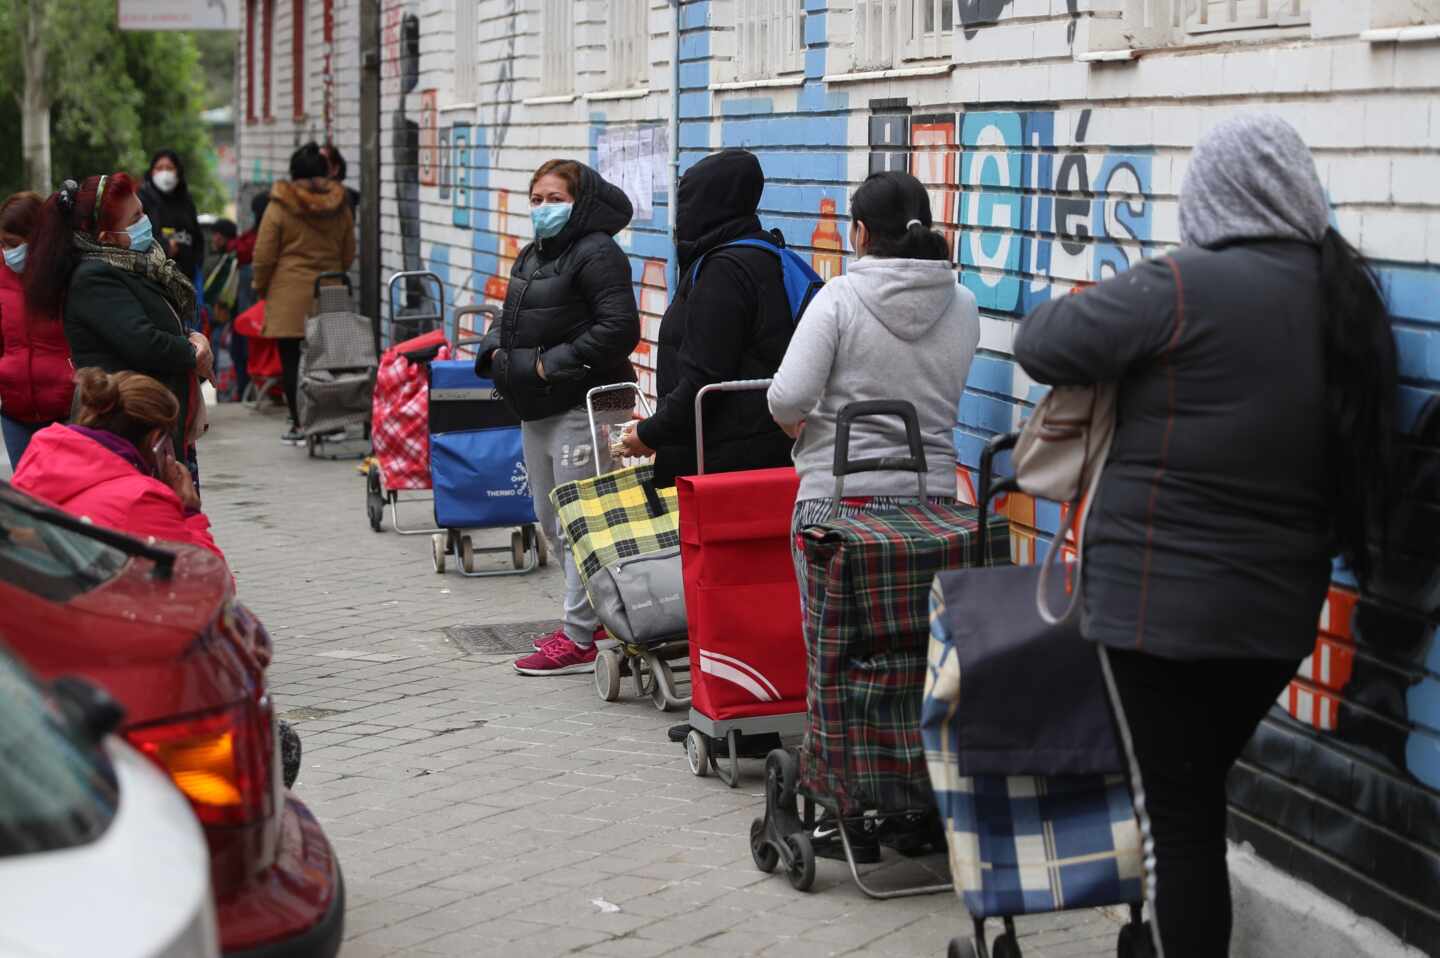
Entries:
{"x":263,"y":147}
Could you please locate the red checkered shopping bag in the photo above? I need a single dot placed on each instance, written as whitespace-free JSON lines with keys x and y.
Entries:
{"x":399,"y":427}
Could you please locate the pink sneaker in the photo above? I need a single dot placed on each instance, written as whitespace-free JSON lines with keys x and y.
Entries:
{"x":559,"y":634}
{"x":561,"y":657}
{"x":550,"y":638}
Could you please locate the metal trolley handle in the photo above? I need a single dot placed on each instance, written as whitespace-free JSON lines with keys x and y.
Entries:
{"x":989,"y":488}
{"x":590,"y":410}
{"x":425,"y":278}
{"x":915,"y":462}
{"x":492,"y":313}
{"x":733,"y":386}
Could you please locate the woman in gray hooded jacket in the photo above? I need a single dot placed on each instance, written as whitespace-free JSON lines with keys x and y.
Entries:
{"x":896,"y":326}
{"x":1256,"y":373}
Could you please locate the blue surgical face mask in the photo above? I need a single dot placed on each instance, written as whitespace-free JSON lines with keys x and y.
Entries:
{"x":140,"y":236}
{"x":550,"y":218}
{"x":15,"y":258}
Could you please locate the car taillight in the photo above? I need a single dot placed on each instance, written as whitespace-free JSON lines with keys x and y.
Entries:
{"x":220,"y":760}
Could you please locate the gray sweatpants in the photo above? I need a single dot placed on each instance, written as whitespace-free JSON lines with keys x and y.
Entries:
{"x":560,"y":450}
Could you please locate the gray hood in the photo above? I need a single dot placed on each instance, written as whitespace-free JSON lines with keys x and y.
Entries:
{"x":908,"y":296}
{"x":1250,"y":178}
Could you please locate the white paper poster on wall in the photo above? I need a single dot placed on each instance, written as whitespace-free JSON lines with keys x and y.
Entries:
{"x":179,"y":14}
{"x":634,"y":160}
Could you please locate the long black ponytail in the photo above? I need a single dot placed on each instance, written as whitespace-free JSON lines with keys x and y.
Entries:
{"x":895,"y":208}
{"x":1361,"y":373}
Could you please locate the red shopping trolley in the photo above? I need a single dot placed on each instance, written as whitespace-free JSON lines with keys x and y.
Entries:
{"x":262,"y":363}
{"x":742,"y":604}
{"x":400,"y":430}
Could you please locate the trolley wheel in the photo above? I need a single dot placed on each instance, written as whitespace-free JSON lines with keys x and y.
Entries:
{"x":607,"y":676}
{"x":542,"y":549}
{"x":437,"y":550}
{"x":643,"y":675}
{"x":661,"y":668}
{"x":1005,"y":946}
{"x":1135,"y":942}
{"x":517,"y":549}
{"x":801,"y":870}
{"x":781,"y":776}
{"x":764,"y":854}
{"x":697,"y":753}
{"x":467,"y":554}
{"x":374,"y":498}
{"x":962,"y":948}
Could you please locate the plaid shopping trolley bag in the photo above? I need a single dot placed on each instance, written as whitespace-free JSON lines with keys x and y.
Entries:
{"x":1022,"y":756}
{"x":866,"y":623}
{"x":616,"y":516}
{"x":623,"y":534}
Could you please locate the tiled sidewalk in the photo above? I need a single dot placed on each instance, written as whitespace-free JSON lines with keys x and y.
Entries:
{"x":477,"y":812}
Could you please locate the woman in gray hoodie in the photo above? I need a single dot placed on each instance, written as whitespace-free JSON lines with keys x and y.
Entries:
{"x":897,"y":326}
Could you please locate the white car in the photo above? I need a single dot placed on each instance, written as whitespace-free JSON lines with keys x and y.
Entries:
{"x":99,"y":853}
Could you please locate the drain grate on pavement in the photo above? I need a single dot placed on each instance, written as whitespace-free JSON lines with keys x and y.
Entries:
{"x":503,"y":637}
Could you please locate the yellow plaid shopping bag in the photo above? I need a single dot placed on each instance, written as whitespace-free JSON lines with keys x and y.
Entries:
{"x":616,"y":516}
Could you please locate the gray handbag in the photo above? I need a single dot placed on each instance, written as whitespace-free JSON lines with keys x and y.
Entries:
{"x":641,"y":599}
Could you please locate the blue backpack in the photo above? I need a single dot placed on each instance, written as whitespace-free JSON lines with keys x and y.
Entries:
{"x":801,"y":282}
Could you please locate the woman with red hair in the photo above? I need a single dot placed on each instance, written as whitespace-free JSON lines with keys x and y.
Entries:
{"x":35,"y":374}
{"x":125,"y":304}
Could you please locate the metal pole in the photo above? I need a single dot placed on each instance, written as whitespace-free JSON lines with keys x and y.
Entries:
{"x":370,"y":164}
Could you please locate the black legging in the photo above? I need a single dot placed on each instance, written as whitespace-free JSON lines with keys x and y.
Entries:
{"x":1185,"y":723}
{"x":290,"y":372}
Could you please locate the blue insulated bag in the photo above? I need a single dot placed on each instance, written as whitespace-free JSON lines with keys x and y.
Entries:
{"x":477,"y":460}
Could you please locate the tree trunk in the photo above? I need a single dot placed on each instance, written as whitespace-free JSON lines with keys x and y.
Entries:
{"x":35,"y":100}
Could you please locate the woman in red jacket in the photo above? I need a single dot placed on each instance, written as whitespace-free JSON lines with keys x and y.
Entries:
{"x":36,"y":379}
{"x":114,"y":464}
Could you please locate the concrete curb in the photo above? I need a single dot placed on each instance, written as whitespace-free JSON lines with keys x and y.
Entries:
{"x":1276,"y":914}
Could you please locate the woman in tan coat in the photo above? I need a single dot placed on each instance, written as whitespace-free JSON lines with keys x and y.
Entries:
{"x":308,"y":229}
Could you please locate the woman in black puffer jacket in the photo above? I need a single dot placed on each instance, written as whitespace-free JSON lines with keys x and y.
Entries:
{"x":569,"y":325}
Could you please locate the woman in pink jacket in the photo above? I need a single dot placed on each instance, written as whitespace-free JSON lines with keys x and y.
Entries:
{"x":114,"y":464}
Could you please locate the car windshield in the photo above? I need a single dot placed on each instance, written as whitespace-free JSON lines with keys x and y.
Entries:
{"x":53,"y":562}
{"x":56,"y":790}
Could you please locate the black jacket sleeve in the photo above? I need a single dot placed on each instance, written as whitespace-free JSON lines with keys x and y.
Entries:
{"x":102,"y":302}
{"x":1098,"y":334}
{"x":723,"y":308}
{"x":485,"y":353}
{"x":603,"y":278}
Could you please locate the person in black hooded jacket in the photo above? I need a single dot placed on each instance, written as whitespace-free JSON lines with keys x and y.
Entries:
{"x":569,"y":324}
{"x":729,"y":320}
{"x":167,"y":201}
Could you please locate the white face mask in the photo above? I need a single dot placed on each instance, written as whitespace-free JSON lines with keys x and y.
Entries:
{"x":165,"y":180}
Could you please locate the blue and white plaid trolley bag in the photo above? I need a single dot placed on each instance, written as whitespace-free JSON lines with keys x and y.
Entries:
{"x":1027,"y":774}
{"x":477,"y":469}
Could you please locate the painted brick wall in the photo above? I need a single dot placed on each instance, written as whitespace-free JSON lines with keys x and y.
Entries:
{"x":1048,"y":172}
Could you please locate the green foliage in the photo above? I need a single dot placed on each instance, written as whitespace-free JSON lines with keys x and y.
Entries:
{"x":115,"y":98}
{"x":217,"y":61}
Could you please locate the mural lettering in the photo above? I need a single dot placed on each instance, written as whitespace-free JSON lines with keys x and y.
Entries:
{"x":1026,"y":226}
{"x":446,"y":160}
{"x":460,"y":146}
{"x":935,"y":163}
{"x":428,"y":159}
